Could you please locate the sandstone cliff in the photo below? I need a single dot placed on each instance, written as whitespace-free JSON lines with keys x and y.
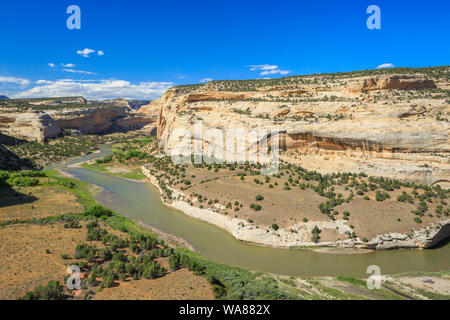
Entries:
{"x":35,"y":126}
{"x":394,"y":125}
{"x":77,"y":117}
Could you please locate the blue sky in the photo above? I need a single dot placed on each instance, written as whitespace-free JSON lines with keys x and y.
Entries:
{"x":150,"y":45}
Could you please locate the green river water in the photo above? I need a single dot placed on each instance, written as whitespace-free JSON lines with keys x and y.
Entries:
{"x":141,"y":201}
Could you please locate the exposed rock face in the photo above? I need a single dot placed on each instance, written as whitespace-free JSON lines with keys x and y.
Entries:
{"x":59,"y":101}
{"x":39,"y":126}
{"x":399,"y":82}
{"x":326,"y":123}
{"x":134,"y":121}
{"x":35,"y":126}
{"x":150,"y":110}
{"x":217,"y":96}
{"x":90,"y":120}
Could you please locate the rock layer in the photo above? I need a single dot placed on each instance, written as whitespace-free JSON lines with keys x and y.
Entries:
{"x":391,"y":125}
{"x":35,"y":126}
{"x":39,"y":126}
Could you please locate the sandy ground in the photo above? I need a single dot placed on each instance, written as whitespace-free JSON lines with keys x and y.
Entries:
{"x":179,"y":285}
{"x":118,"y":169}
{"x":295,"y":211}
{"x":430,"y":284}
{"x":25,"y":263}
{"x":342,"y":251}
{"x":36,"y":202}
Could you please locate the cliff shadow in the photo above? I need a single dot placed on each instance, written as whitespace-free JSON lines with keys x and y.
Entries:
{"x":441,"y":243}
{"x":442,"y":238}
{"x":10,"y":161}
{"x":10,"y":197}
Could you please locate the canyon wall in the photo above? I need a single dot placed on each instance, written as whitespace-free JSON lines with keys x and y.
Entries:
{"x":386,"y":125}
{"x":39,"y":126}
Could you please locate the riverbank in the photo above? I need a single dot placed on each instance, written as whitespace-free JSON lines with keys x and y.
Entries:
{"x":244,"y":231}
{"x":142,"y":202}
{"x":133,"y":176}
{"x":55,"y":241}
{"x":167,"y":237}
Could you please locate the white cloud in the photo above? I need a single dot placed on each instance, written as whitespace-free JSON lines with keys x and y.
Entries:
{"x":96,"y":89}
{"x":68,"y":65}
{"x":268,"y":69}
{"x":78,"y":71}
{"x":385,"y":65}
{"x":100,"y":53}
{"x":44,"y":82}
{"x":22,"y":82}
{"x":282,"y":72}
{"x":263,"y":67}
{"x":206,"y":80}
{"x":85,"y":53}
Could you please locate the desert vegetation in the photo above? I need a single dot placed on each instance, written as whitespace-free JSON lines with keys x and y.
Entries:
{"x":296,"y":81}
{"x":336,"y":196}
{"x":34,"y":155}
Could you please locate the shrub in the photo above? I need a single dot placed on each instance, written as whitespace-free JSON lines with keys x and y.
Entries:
{"x":23,"y":181}
{"x":259,"y":197}
{"x":72,"y":224}
{"x":83,"y":250}
{"x":65,"y":256}
{"x":315,"y":234}
{"x":52,"y":291}
{"x":153,"y":270}
{"x":93,"y":235}
{"x":255,"y":207}
{"x":105,"y":254}
{"x":275,"y":227}
{"x":346,"y":215}
{"x":108,"y":281}
{"x":174,"y":262}
{"x":98,"y":212}
{"x":106,"y":159}
{"x":381,"y":196}
{"x":405,"y":198}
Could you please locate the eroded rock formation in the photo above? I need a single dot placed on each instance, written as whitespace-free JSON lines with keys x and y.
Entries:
{"x":86,"y":118}
{"x":35,"y":126}
{"x":397,"y":82}
{"x":387,"y":125}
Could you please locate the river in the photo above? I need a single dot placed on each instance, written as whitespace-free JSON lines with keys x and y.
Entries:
{"x":141,"y":201}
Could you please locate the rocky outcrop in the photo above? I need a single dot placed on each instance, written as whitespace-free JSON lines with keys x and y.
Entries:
{"x":39,"y":126}
{"x":398,"y":82}
{"x":89,"y":120}
{"x":134,"y":121}
{"x":58,"y":101}
{"x":424,"y":238}
{"x":196,"y":97}
{"x":150,"y":110}
{"x":283,"y":238}
{"x":35,"y":126}
{"x":323,"y":125}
